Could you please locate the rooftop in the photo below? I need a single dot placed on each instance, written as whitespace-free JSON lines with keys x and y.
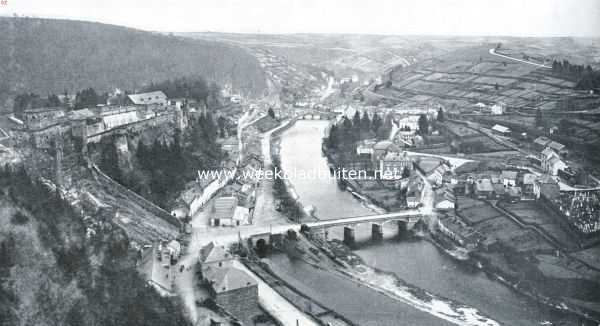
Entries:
{"x":228,"y":279}
{"x":484,"y":185}
{"x":511,"y":175}
{"x":500,"y":128}
{"x":224,"y":207}
{"x":155,"y":97}
{"x":542,"y":140}
{"x":213,"y":253}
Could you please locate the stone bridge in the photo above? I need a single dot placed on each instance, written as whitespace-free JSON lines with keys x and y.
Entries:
{"x":256,"y":232}
{"x":403,"y":218}
{"x":314,"y":115}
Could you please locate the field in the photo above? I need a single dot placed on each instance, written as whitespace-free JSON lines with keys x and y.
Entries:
{"x":503,"y":229}
{"x":475,"y":211}
{"x":532,"y":213}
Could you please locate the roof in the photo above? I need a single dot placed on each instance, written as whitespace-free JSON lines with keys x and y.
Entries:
{"x":511,"y":175}
{"x":393,"y":156}
{"x":547,"y":179}
{"x":500,"y":128}
{"x":542,"y":140}
{"x":174,"y":245}
{"x":82,"y":114}
{"x":484,"y":185}
{"x":444,"y":194}
{"x":514,"y":191}
{"x":548,"y":152}
{"x":383,"y":145}
{"x":212,"y":253}
{"x":499,"y":188}
{"x":529,"y":178}
{"x":224,"y":207}
{"x":556,"y":146}
{"x":553,"y":160}
{"x":228,"y":279}
{"x":155,"y":97}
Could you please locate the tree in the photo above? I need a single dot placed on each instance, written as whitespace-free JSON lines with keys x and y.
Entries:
{"x":109,"y":161}
{"x":423,"y":125}
{"x":333,"y":140}
{"x":356,"y":124}
{"x":383,"y":132}
{"x":365,"y":122}
{"x":271,"y":113}
{"x":405,"y":172}
{"x":440,"y":115}
{"x":376,"y":123}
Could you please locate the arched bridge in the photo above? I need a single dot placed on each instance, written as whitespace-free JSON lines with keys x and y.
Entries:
{"x":407,"y":216}
{"x":403,"y":218}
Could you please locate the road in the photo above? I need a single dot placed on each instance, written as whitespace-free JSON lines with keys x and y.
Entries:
{"x":493,"y":52}
{"x":264,"y":208}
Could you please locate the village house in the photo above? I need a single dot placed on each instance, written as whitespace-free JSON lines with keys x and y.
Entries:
{"x":413,"y":197}
{"x":483,"y":188}
{"x":509,"y":178}
{"x":233,"y":289}
{"x":223,"y":211}
{"x":497,"y":109}
{"x":214,"y":255}
{"x":528,"y":184}
{"x":513,"y":194}
{"x":458,"y":231}
{"x":541,"y":143}
{"x":230,"y":288}
{"x":546,"y":186}
{"x":155,"y":264}
{"x":558,"y":148}
{"x":365,"y":147}
{"x":501,"y":130}
{"x":392,"y":165}
{"x":444,"y":199}
{"x":383,"y":147}
{"x":551,"y":162}
{"x":433,"y":169}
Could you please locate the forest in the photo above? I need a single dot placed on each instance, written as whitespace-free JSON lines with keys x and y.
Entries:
{"x":52,"y":274}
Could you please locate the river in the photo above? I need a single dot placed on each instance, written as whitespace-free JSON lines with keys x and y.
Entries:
{"x":418,"y":262}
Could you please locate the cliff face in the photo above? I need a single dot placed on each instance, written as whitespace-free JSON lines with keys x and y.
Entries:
{"x":51,"y":56}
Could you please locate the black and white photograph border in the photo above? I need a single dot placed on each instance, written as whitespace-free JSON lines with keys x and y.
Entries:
{"x":300,"y":162}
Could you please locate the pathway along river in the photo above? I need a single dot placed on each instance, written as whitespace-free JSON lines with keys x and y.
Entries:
{"x":416,"y":261}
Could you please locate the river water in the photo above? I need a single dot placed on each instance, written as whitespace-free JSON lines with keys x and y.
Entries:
{"x":418,"y":262}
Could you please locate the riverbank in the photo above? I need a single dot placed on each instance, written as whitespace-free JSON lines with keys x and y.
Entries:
{"x":350,"y":265}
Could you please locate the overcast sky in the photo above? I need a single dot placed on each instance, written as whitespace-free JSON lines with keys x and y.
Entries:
{"x":439,"y":17}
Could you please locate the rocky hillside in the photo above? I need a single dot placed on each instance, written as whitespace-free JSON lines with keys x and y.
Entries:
{"x":59,"y":266}
{"x":45,"y":55}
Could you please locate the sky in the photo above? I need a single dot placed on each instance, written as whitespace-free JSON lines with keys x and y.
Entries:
{"x":399,"y":17}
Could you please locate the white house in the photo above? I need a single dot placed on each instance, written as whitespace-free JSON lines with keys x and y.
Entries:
{"x":509,"y":178}
{"x":501,"y":130}
{"x":497,"y":109}
{"x":551,"y":162}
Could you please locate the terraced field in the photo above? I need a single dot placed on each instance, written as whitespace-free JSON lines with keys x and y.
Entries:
{"x":469,"y":76}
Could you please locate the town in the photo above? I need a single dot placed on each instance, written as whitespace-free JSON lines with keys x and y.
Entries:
{"x":371,"y":182}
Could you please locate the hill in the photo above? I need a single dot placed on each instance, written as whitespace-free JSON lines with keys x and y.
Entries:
{"x":46,"y":55}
